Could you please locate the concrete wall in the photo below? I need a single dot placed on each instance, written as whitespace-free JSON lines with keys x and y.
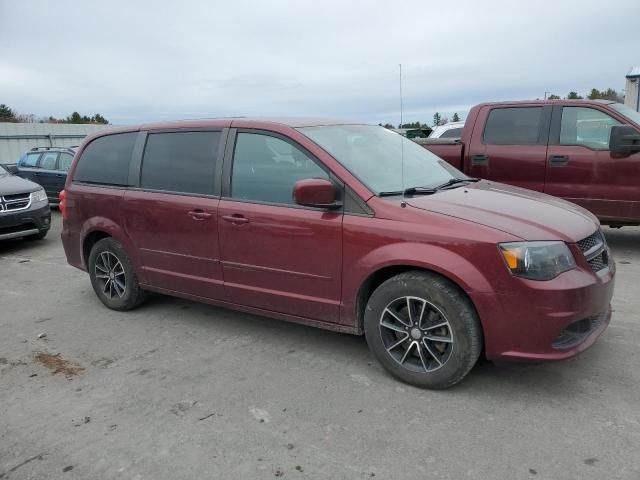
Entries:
{"x":17,"y":138}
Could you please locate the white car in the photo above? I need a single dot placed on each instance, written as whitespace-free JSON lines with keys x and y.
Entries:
{"x":448,"y":130}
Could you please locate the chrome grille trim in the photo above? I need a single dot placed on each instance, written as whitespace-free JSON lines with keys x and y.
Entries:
{"x":15,"y":203}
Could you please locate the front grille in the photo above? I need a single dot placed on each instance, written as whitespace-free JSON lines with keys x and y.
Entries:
{"x":16,"y":197}
{"x":575,"y":333}
{"x":15,"y":202}
{"x":594,"y":248}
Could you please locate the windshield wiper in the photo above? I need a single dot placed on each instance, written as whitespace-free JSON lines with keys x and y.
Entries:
{"x":455,"y":181}
{"x":428,"y":190}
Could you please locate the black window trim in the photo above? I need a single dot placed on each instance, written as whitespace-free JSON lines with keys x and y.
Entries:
{"x":228,"y":169}
{"x":543,"y":130}
{"x":556,"y":125}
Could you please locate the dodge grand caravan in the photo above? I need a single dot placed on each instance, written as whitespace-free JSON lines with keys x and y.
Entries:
{"x":342,"y":226}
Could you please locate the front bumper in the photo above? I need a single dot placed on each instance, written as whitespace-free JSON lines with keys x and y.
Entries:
{"x":554,"y":320}
{"x":23,"y":223}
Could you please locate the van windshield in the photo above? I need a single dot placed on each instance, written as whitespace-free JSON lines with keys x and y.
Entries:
{"x":630,"y":113}
{"x":383,"y":160}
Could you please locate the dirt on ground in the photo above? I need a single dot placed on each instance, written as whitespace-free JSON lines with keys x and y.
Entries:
{"x":57,"y":364}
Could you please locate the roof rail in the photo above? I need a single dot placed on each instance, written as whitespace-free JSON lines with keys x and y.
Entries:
{"x":35,"y":149}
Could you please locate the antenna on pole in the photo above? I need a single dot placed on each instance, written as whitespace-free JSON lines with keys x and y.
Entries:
{"x":401,"y":139}
{"x":400,"y":65}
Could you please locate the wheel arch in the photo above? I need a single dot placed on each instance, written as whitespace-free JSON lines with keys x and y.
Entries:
{"x":393,"y":260}
{"x":98,"y":228}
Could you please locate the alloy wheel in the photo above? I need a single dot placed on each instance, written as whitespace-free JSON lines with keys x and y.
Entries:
{"x":416,"y":334}
{"x":110,"y":275}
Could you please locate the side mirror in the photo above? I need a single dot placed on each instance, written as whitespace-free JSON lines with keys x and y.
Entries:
{"x":624,"y":139}
{"x":315,"y":192}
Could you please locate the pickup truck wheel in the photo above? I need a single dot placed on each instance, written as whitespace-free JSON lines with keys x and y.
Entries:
{"x":113,"y":277}
{"x":423,"y":329}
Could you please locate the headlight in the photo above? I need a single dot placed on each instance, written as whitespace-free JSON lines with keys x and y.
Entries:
{"x":38,"y":196}
{"x":537,"y":260}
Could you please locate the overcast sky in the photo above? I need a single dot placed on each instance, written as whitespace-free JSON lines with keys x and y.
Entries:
{"x":135,"y":61}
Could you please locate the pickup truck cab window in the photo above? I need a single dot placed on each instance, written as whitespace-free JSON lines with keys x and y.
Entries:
{"x":586,"y":126}
{"x":513,"y":126}
{"x":265,"y":169}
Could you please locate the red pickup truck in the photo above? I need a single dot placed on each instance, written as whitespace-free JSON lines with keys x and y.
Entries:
{"x":585,"y":151}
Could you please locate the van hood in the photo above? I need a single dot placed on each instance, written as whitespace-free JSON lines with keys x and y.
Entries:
{"x":12,"y":184}
{"x":524,"y":213}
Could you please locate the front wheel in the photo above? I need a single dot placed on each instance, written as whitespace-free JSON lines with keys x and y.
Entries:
{"x":423,"y":329}
{"x":113,"y":277}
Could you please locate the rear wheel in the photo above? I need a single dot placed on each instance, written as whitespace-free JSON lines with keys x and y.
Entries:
{"x":113,"y":277}
{"x":423,"y":329}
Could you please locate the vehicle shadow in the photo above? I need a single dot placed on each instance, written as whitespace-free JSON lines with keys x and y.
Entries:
{"x":517,"y":381}
{"x":623,"y":241}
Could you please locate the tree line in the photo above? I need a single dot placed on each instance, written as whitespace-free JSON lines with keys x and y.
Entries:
{"x":594,"y":94}
{"x":7,"y":114}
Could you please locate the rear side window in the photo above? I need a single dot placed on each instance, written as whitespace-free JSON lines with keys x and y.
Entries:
{"x":106,"y":160}
{"x":48,"y":160}
{"x":513,"y":126}
{"x":180,"y":162}
{"x":64,"y":162}
{"x":31,"y":160}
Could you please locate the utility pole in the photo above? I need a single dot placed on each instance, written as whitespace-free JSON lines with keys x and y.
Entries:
{"x":400,"y":65}
{"x":545,"y":95}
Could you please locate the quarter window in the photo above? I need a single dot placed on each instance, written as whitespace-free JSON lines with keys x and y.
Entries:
{"x":266,"y":168}
{"x":513,"y":126}
{"x":586,"y":126}
{"x":180,"y":162}
{"x":106,"y":160}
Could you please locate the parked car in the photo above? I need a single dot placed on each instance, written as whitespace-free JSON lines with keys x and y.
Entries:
{"x":47,"y":166}
{"x":346,"y":227}
{"x":24,"y":208}
{"x":448,"y":130}
{"x":585,"y":151}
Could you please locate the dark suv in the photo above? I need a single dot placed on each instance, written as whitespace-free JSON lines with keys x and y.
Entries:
{"x":342,"y":226}
{"x":24,"y":208}
{"x":48,"y":167}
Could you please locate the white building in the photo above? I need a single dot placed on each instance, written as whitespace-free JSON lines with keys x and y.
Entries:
{"x":17,"y":138}
{"x":632,"y":94}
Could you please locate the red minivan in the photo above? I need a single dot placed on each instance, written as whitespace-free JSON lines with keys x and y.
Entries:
{"x":342,"y":226}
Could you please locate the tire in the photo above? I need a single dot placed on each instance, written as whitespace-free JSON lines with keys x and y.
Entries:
{"x":38,"y":236}
{"x":113,"y":277}
{"x":409,"y":349}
